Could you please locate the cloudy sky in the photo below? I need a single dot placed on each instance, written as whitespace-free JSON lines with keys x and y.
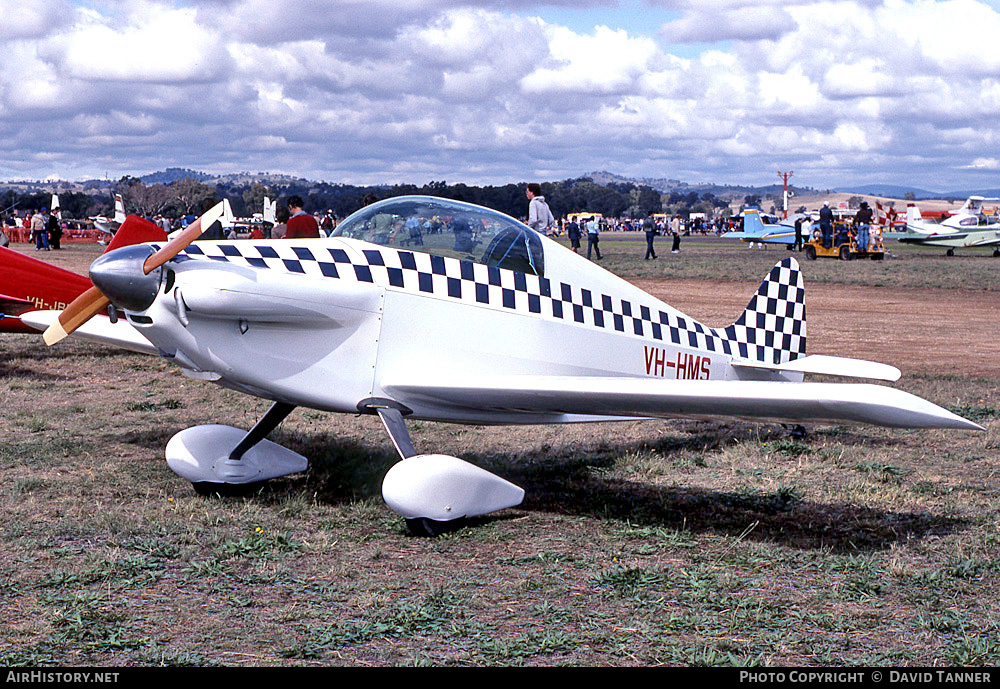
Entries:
{"x":484,"y":91}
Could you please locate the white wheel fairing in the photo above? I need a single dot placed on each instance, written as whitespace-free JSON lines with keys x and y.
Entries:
{"x":443,"y":488}
{"x":201,"y":454}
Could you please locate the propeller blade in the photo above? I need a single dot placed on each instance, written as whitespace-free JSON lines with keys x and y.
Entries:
{"x":80,"y":310}
{"x":180,"y":242}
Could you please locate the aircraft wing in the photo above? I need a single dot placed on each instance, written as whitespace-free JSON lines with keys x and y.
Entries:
{"x":986,"y":238}
{"x":100,"y":330}
{"x":954,"y":239}
{"x":640,"y":397}
{"x":10,"y":305}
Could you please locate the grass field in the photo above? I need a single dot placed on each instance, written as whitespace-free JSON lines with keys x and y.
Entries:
{"x":639,"y":543}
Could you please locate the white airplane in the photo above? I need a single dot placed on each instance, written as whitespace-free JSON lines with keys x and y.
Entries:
{"x":969,"y":226}
{"x":270,"y":211}
{"x":110,"y":225}
{"x":481,"y":322}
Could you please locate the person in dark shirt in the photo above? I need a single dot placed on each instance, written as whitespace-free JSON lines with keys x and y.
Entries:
{"x":573,"y":230}
{"x":301,"y":225}
{"x":55,"y":229}
{"x":826,"y":225}
{"x":649,"y":227}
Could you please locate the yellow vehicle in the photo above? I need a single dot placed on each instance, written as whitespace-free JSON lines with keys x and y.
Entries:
{"x":844,"y":244}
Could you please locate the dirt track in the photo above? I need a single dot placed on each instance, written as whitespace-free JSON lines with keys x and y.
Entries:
{"x":919,"y":331}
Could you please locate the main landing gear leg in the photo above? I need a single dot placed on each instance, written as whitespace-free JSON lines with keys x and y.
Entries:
{"x":231,"y":461}
{"x":271,"y":420}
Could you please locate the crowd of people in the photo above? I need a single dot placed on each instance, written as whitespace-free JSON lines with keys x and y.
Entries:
{"x":577,"y":225}
{"x":43,"y":227}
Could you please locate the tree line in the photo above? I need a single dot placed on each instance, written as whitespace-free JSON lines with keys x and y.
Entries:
{"x":189,"y":196}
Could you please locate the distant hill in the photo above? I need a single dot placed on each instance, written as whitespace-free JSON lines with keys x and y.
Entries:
{"x":172,"y":174}
{"x":722,"y":191}
{"x":896,"y":191}
{"x":892,"y":191}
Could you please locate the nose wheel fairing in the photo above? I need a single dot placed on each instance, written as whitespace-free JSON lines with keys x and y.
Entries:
{"x":203,"y":454}
{"x":432,"y":492}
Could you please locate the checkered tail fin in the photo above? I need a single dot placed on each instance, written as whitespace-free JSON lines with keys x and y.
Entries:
{"x":772,"y":329}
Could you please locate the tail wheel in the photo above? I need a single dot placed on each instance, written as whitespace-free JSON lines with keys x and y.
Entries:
{"x":810,"y":252}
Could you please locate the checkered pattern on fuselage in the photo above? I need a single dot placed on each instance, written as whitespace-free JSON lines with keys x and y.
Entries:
{"x":772,"y":329}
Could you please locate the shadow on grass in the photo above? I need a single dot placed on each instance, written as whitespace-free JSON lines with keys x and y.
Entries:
{"x":10,"y":371}
{"x":343,"y":469}
{"x":781,"y":516}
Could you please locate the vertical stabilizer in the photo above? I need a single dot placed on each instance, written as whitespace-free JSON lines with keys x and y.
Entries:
{"x":227,"y":219}
{"x":119,"y":209}
{"x":753,"y":226}
{"x":772,"y":328}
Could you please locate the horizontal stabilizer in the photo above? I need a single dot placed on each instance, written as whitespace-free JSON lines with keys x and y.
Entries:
{"x":830,"y":366}
{"x":753,"y":400}
{"x":100,"y":330}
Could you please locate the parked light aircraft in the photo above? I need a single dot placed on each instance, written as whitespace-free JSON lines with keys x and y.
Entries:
{"x":481,"y":321}
{"x":110,"y":225}
{"x":755,"y":230}
{"x":967,"y":227}
{"x":27,"y":284}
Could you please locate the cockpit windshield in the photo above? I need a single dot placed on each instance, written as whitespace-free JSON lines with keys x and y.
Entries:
{"x":448,"y":228}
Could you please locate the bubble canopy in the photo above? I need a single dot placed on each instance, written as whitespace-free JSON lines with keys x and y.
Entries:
{"x":443,"y":227}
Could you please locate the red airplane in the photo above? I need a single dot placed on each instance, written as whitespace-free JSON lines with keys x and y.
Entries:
{"x":27,"y":284}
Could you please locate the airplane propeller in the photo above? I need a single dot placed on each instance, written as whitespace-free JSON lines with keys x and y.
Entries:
{"x":94,"y":300}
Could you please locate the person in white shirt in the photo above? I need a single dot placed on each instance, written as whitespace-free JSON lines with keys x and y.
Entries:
{"x":593,"y":237}
{"x":540,"y":217}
